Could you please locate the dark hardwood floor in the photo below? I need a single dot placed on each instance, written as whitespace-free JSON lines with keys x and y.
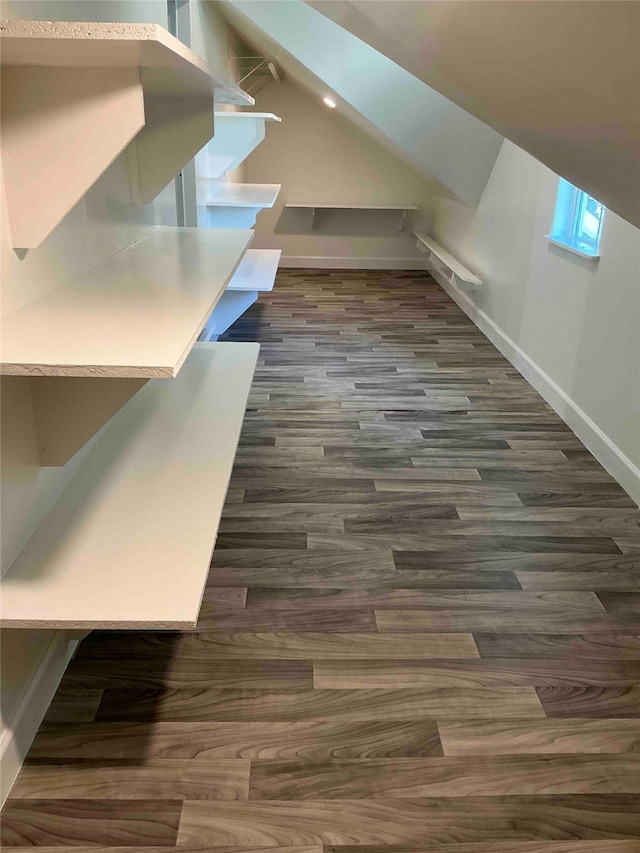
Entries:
{"x":421,"y":630}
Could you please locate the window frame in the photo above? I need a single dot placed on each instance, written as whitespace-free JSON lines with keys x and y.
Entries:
{"x":568,"y":222}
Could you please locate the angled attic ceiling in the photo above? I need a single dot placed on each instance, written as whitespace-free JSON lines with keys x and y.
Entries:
{"x":560,"y":78}
{"x":450,"y":148}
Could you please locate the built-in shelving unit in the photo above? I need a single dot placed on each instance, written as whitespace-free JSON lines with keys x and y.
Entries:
{"x":256,"y":274}
{"x":75,"y":95}
{"x":237,"y":134}
{"x":129,"y":542}
{"x":256,"y":271}
{"x":237,"y":205}
{"x":445,"y":264}
{"x":134,"y":316}
{"x":244,"y":195}
{"x":90,"y":345}
{"x":313,"y":209}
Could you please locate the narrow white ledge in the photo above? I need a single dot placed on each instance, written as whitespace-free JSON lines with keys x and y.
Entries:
{"x":309,"y":206}
{"x":455,"y":268}
{"x":129,"y":542}
{"x":257,"y":271}
{"x":313,"y":208}
{"x":244,"y":195}
{"x":137,"y":315}
{"x":238,"y":116}
{"x":557,"y":241}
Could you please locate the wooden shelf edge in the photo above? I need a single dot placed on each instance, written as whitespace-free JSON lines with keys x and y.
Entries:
{"x":305,"y":206}
{"x":220,"y":114}
{"x":167,"y":65}
{"x":178,"y":308}
{"x":256,"y":271}
{"x":142,"y":513}
{"x":257,"y":196}
{"x":428,"y":244}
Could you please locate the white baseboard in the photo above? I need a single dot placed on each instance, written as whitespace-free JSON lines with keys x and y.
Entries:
{"x":22,"y":727}
{"x":605,"y":451}
{"x":350,"y":263}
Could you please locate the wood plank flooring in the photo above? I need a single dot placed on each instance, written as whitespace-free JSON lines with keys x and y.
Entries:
{"x":421,"y":630}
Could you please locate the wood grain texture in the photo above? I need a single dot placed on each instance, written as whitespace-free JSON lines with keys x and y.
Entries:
{"x":410,"y":779}
{"x":287,"y":645}
{"x":161,"y":779}
{"x":141,"y":823}
{"x":421,"y":626}
{"x":219,"y":704}
{"x":435,"y":822}
{"x":494,"y":672}
{"x":204,"y":741}
{"x":512,"y":737}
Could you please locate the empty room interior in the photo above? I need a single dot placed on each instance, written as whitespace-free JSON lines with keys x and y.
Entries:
{"x":320,"y":426}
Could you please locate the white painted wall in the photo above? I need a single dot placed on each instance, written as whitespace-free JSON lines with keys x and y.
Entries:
{"x":319,"y":156}
{"x":576,"y":322}
{"x":436,"y":136}
{"x":102,"y":224}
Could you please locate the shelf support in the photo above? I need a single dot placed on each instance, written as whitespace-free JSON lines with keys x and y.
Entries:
{"x":60,"y":130}
{"x":174,"y":131}
{"x":47,"y":420}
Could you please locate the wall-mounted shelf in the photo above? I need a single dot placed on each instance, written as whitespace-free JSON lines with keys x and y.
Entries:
{"x":256,"y":271}
{"x":446,"y":264}
{"x":237,"y":134}
{"x":256,"y":274}
{"x":128,"y":544}
{"x":403,"y":210}
{"x":75,"y":95}
{"x":134,"y":316}
{"x":237,"y":205}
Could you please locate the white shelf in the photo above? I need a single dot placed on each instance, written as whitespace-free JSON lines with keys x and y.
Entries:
{"x":244,"y":195}
{"x":129,"y":542}
{"x":237,"y":134}
{"x":257,"y":271}
{"x":245,"y":117}
{"x":256,"y":274}
{"x":353,"y":206}
{"x":167,"y":66}
{"x":76,"y":95}
{"x":135,"y":316}
{"x":403,"y":209}
{"x":235,"y":205}
{"x":453,"y":266}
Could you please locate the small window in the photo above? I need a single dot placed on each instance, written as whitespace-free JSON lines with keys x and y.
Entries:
{"x":577,"y":222}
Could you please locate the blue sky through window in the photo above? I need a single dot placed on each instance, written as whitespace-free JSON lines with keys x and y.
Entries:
{"x":577,"y":223}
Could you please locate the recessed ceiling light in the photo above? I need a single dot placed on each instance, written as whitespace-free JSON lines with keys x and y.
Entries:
{"x":330,"y":103}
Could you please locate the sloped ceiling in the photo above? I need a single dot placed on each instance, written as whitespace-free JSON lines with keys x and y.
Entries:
{"x":445,"y":144}
{"x":560,"y":78}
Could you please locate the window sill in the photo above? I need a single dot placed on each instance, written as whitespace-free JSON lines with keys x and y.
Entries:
{"x":576,"y":248}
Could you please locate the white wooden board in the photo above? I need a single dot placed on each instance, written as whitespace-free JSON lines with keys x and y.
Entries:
{"x":459,"y":270}
{"x":243,"y":195}
{"x":168,"y":66}
{"x":136,"y":315}
{"x":339,"y":206}
{"x":128,"y":544}
{"x":256,"y":271}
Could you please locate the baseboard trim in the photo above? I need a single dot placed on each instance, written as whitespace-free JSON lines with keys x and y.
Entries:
{"x":350,"y":263}
{"x":605,"y":451}
{"x":21,"y":729}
